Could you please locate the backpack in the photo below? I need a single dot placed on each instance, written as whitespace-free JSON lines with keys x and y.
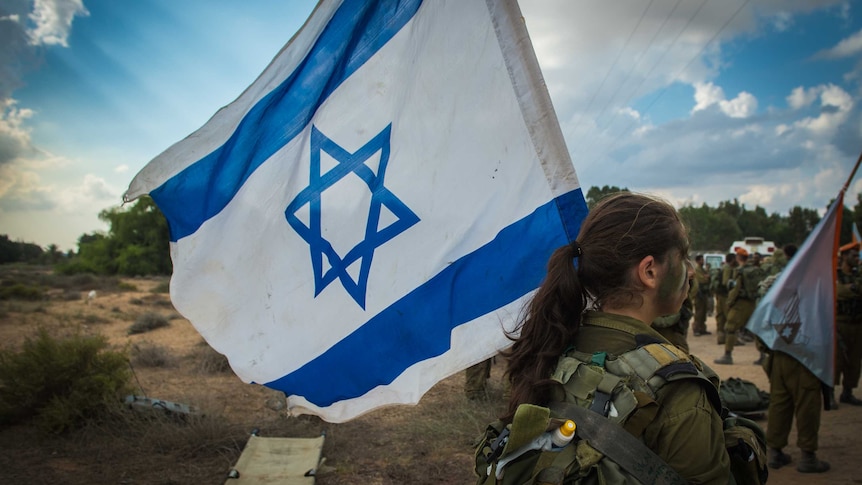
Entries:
{"x":715,"y":281}
{"x":604,"y":392}
{"x":751,"y":278}
{"x":743,"y":397}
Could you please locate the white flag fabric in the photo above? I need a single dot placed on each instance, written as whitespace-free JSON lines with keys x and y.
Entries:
{"x":372,"y":212}
{"x":797,"y":314}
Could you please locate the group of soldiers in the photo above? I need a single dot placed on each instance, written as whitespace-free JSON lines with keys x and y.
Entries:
{"x":848,"y":354}
{"x":738,"y":284}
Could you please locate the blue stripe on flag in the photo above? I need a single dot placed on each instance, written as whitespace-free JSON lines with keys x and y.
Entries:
{"x":413,"y":329}
{"x":358,"y":29}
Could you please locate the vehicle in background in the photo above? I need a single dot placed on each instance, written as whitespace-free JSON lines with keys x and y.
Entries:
{"x":713,"y":260}
{"x":754,"y":245}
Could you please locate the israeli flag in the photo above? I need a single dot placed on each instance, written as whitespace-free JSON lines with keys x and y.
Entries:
{"x":369,"y":216}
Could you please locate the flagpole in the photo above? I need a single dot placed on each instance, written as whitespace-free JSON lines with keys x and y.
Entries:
{"x":852,"y":174}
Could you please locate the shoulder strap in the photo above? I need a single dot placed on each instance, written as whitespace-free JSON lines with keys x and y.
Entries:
{"x":655,"y":364}
{"x":630,"y":453}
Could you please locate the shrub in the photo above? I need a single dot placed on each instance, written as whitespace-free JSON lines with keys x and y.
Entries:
{"x":70,"y":295}
{"x":146,"y":354}
{"x":148,"y":321}
{"x":62,"y":383}
{"x":91,"y":319}
{"x":19,"y":291}
{"x":126,"y":286}
{"x":209,"y":361}
{"x":164,"y":287}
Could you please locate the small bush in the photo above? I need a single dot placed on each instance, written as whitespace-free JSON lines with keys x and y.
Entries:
{"x":84,"y":280}
{"x":17,"y":306}
{"x":164,"y":287}
{"x":146,"y":354}
{"x":70,"y":295}
{"x":148,"y":321}
{"x":136,"y":301}
{"x":126,"y":286}
{"x":62,"y":383}
{"x":91,"y":319}
{"x":19,"y":291}
{"x":209,"y":361}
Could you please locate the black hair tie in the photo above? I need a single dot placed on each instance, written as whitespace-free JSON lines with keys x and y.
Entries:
{"x":577,"y":248}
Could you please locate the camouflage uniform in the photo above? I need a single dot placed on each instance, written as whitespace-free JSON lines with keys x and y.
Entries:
{"x":721,"y":302}
{"x":674,"y":327}
{"x":476,"y":382}
{"x":740,"y":303}
{"x":793,"y":390}
{"x":701,"y":301}
{"x":848,"y":355}
{"x":687,"y":432}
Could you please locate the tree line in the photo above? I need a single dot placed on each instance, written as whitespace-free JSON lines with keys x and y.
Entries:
{"x":137,"y":241}
{"x":714,"y":229}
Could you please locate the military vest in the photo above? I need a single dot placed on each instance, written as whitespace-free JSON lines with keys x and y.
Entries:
{"x":622,"y":389}
{"x":748,"y":280}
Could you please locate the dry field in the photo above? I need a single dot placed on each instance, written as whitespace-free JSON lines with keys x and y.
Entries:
{"x":428,"y":443}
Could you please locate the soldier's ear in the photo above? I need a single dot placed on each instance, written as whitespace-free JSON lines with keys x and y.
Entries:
{"x":647,"y":272}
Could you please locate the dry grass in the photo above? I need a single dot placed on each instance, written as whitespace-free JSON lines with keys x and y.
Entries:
{"x":429,"y":443}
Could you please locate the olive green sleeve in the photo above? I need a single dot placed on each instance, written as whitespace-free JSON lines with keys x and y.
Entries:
{"x":688,"y":434}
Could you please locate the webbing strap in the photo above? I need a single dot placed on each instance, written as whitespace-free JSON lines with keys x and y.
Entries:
{"x":630,"y":453}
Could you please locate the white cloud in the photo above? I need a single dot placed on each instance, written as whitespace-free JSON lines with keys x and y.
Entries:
{"x":22,"y":190}
{"x":708,"y":94}
{"x":782,"y":21}
{"x":848,"y":47}
{"x":782,"y":129}
{"x":14,"y":136}
{"x":835,"y":105}
{"x":742,"y":106}
{"x":801,"y":97}
{"x":765,"y":195}
{"x":52,"y":21}
{"x":93,"y":192}
{"x":121,"y":168}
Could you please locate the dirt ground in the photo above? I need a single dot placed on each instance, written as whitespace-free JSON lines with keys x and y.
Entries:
{"x":432,"y":442}
{"x":840,"y":430}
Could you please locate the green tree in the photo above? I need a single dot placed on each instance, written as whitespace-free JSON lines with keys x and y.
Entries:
{"x":137,"y":243}
{"x":18,"y":251}
{"x":595,"y":194}
{"x":800,"y":223}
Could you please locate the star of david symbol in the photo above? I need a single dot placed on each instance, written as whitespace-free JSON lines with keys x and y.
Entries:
{"x":374,"y":236}
{"x":788,"y":326}
{"x":787,"y":331}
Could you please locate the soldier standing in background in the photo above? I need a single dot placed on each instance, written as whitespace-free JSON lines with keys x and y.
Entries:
{"x":701,"y":297}
{"x":848,"y":355}
{"x":721,"y":295}
{"x":476,"y":380}
{"x":740,"y":302}
{"x":772,"y":269}
{"x":793,"y":391}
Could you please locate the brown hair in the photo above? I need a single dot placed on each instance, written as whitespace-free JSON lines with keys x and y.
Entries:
{"x":616,"y":235}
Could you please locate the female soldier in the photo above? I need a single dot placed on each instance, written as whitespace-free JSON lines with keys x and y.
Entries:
{"x":628,"y":266}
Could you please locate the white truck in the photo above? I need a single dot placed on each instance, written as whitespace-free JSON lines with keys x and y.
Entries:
{"x":753,"y":245}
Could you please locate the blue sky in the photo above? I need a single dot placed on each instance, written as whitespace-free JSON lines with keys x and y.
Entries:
{"x":695,"y":101}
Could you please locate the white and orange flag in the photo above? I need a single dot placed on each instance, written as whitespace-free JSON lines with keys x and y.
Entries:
{"x":797,"y":314}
